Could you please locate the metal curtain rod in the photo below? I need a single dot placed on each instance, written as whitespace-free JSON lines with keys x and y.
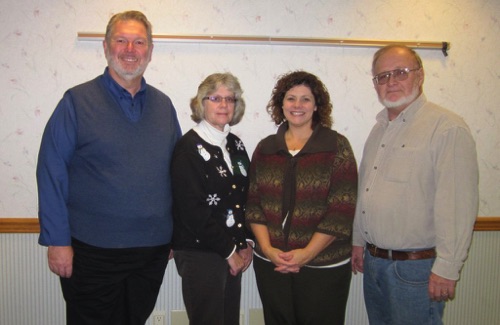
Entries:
{"x":222,"y":39}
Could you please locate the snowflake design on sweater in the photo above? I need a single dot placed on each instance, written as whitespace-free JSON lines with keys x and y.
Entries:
{"x":222,"y":171}
{"x":213,"y":199}
{"x":240,"y":145}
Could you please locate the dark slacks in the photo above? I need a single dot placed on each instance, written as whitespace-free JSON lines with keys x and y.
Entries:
{"x":311,"y":297}
{"x":113,"y":286}
{"x":211,"y":294}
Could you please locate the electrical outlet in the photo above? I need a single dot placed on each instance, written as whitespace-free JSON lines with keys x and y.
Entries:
{"x":158,"y":318}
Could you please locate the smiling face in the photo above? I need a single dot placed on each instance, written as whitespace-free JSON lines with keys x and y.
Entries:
{"x":397,"y":95}
{"x":128,"y":51}
{"x":219,"y":114}
{"x":299,"y":106}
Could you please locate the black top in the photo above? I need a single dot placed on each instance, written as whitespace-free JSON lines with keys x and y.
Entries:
{"x":209,"y":200}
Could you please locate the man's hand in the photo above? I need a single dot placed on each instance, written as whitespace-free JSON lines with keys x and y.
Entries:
{"x":60,"y":260}
{"x":441,"y":289}
{"x":357,"y":259}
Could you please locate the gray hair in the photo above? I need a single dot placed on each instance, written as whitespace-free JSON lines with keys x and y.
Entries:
{"x":209,"y":86}
{"x":129,"y":15}
{"x":387,"y":48}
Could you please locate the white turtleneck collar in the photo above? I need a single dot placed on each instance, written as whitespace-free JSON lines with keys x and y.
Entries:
{"x":212,"y":135}
{"x":215,"y":137}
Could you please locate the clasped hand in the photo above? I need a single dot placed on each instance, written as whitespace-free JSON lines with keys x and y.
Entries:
{"x":288,"y":262}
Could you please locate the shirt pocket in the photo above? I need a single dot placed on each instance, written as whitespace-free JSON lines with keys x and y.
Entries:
{"x":400,"y":164}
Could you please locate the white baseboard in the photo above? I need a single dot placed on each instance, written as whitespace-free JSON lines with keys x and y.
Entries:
{"x":255,"y":317}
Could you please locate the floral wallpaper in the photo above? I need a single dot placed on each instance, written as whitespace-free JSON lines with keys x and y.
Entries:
{"x":41,"y":57}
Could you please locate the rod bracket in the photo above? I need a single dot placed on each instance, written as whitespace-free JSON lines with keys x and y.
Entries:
{"x":445,"y":48}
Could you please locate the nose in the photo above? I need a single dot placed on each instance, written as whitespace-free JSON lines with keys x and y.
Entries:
{"x":298,"y":102}
{"x":391,"y":80}
{"x":130,"y":46}
{"x":223,"y":102}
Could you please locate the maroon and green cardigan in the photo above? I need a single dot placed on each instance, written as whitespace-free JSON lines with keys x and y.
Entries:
{"x":317,"y":188}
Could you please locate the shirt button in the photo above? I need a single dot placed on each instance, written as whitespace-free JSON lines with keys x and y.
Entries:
{"x":237,"y":206}
{"x":234,"y":186}
{"x":240,"y":225}
{"x":383,"y":145}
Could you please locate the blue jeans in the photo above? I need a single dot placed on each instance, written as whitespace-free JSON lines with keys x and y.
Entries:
{"x":396,"y":292}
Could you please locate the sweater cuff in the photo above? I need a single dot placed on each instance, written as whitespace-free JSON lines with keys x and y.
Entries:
{"x":234,"y":250}
{"x":251,"y":242}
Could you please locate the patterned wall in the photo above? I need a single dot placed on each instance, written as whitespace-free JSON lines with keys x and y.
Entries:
{"x":42,"y":57}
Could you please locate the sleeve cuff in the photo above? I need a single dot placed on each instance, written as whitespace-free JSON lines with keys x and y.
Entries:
{"x":357,"y":240}
{"x":251,"y":243}
{"x":234,"y":250}
{"x":446,"y":269}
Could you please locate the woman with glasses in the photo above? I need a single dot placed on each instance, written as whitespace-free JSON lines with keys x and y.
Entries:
{"x":302,"y":195}
{"x":212,"y":246}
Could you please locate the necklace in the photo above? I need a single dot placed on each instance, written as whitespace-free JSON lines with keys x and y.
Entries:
{"x":296,"y":143}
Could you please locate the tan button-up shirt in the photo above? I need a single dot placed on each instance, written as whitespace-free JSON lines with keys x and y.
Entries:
{"x":418,"y":185}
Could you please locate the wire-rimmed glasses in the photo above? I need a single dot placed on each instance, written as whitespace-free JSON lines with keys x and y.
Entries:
{"x":398,"y":75}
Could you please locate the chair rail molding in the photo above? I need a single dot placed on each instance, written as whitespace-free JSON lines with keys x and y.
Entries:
{"x":31,"y":225}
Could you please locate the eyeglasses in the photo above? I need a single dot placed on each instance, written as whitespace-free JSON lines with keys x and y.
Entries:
{"x":398,"y":75}
{"x":219,"y":99}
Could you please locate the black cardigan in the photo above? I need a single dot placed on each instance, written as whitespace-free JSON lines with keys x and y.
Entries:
{"x":209,"y":201}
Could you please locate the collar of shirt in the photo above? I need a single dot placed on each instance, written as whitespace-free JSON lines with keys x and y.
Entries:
{"x":132,"y":107}
{"x":319,"y":141}
{"x":215,"y":137}
{"x":212,"y":135}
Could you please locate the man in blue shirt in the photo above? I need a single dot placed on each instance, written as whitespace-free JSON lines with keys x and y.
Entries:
{"x":104,"y":184}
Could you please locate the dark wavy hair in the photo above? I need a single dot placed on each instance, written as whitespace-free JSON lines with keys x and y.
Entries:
{"x":323,"y":114}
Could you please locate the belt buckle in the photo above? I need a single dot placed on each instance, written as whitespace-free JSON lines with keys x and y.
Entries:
{"x":389,"y":254}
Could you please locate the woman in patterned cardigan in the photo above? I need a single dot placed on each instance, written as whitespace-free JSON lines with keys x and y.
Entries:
{"x":302,"y":197}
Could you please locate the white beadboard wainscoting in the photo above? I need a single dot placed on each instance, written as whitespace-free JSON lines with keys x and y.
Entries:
{"x":30,"y":294}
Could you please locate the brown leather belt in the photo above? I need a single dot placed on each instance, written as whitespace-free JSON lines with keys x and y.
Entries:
{"x":400,"y":255}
